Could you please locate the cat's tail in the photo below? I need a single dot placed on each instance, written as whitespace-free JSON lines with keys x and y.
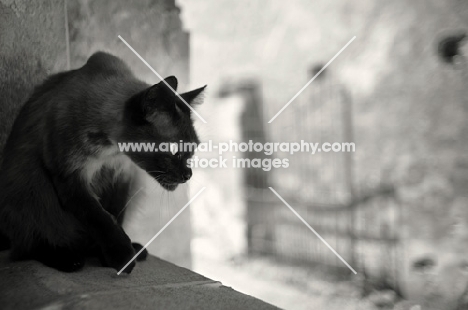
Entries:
{"x":4,"y":242}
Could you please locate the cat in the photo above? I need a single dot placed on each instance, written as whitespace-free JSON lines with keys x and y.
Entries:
{"x":64,"y":181}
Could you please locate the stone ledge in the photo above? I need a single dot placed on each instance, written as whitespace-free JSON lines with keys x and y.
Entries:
{"x":154,"y":284}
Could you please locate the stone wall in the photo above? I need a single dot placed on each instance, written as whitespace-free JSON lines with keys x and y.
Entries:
{"x":33,"y":45}
{"x":153,"y":284}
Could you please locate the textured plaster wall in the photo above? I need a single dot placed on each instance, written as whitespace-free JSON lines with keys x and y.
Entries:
{"x":32,"y":36}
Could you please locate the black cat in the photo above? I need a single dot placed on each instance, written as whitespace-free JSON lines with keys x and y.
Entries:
{"x":63,"y":179}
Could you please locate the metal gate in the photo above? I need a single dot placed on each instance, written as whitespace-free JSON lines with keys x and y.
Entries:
{"x":359,"y":223}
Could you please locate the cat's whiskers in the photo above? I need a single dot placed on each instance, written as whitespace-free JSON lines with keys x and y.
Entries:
{"x":128,"y":202}
{"x":157,"y":178}
{"x":153,"y":180}
{"x":162,"y":172}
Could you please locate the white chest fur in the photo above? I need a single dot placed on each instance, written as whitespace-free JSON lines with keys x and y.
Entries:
{"x":110,"y":158}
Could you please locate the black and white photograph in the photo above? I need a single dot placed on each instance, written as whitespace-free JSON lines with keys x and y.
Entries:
{"x":221,"y":154}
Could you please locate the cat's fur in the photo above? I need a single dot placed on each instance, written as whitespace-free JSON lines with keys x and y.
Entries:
{"x":64,"y":181}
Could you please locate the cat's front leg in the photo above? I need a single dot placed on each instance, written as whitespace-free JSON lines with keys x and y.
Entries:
{"x":116,"y":246}
{"x":117,"y":252}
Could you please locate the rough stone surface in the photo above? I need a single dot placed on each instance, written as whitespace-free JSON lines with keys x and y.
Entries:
{"x":152,"y":28}
{"x":154,"y":284}
{"x":33,"y":45}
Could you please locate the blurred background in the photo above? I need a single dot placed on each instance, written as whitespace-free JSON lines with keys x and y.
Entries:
{"x":396,"y":209}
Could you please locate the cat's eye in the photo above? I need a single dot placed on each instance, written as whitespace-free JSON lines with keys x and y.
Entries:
{"x":179,"y":155}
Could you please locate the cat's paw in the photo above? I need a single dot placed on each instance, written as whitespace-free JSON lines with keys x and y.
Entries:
{"x":143,"y":255}
{"x":117,"y":256}
{"x":60,"y":258}
{"x":72,"y":265}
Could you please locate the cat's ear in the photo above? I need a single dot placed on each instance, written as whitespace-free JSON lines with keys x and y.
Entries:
{"x":194,"y":97}
{"x":157,"y":98}
{"x":171,"y":81}
{"x":161,"y":89}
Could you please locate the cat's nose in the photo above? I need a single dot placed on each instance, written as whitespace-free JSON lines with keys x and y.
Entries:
{"x":187,"y":175}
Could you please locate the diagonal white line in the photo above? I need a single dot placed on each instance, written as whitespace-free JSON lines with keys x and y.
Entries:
{"x":161,"y":78}
{"x":162,"y":229}
{"x":311,"y":80}
{"x":313,"y":230}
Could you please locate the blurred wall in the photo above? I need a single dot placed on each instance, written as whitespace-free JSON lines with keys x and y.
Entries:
{"x":417,"y":107}
{"x":219,"y":226}
{"x":409,"y":108}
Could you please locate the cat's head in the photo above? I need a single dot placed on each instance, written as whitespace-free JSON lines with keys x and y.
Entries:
{"x":157,"y":117}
